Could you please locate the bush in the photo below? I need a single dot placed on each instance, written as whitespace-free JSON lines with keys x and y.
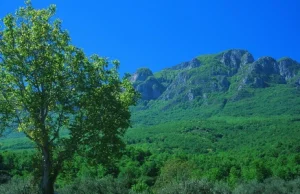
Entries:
{"x":4,"y":177}
{"x":19,"y":186}
{"x":195,"y":186}
{"x":270,"y":186}
{"x":140,"y":187}
{"x":174,"y":171}
{"x":94,"y":186}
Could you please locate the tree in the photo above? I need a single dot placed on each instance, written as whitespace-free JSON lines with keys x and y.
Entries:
{"x":61,"y":100}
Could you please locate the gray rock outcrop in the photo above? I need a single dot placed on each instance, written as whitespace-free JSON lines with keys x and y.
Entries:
{"x":187,"y":65}
{"x":235,"y":58}
{"x":141,"y":75}
{"x":233,"y":70}
{"x":288,"y":68}
{"x":145,"y":83}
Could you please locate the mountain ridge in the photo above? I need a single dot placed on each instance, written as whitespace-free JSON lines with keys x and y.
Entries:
{"x":210,"y":84}
{"x":235,"y":59}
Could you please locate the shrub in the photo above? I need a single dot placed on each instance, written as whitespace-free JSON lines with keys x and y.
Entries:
{"x":93,"y":186}
{"x":270,"y":186}
{"x":195,"y":186}
{"x":19,"y":186}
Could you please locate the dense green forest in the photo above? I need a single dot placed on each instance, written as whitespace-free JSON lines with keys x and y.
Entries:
{"x":216,"y":155}
{"x":221,"y":123}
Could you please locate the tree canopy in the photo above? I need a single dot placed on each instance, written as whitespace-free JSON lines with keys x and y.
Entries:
{"x":60,"y":99}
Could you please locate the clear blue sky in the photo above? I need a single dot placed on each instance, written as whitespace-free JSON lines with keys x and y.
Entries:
{"x":163,"y":33}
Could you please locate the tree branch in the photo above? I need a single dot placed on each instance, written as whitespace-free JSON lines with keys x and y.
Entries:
{"x":59,"y":125}
{"x":19,"y":119}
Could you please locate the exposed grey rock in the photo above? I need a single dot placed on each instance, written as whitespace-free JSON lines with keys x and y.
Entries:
{"x":265,"y":65}
{"x":259,"y":82}
{"x":238,"y":66}
{"x":145,"y":83}
{"x":254,"y":81}
{"x":247,"y":58}
{"x":182,"y":83}
{"x":264,"y":70}
{"x":205,"y":99}
{"x":224,"y":83}
{"x":190,"y":96}
{"x":297,"y":83}
{"x":235,"y":59}
{"x":150,"y":89}
{"x":194,"y":63}
{"x":194,"y":92}
{"x":217,"y":84}
{"x":288,"y":68}
{"x":141,"y":75}
{"x":187,"y":65}
{"x":177,"y":86}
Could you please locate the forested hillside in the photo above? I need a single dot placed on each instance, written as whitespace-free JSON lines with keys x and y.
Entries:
{"x":222,"y":123}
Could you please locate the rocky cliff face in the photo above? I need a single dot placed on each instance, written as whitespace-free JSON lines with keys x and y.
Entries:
{"x":235,"y":59}
{"x":266,"y":71}
{"x":187,"y":65}
{"x":141,"y":75}
{"x":288,"y":68}
{"x":232,"y":70}
{"x":150,"y":89}
{"x":265,"y":65}
{"x":145,"y":83}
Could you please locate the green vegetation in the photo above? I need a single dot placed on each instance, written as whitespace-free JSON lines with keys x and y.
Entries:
{"x":49,"y":86}
{"x":221,"y":123}
{"x":216,"y":154}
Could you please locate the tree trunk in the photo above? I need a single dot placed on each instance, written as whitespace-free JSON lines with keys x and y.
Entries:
{"x":47,"y":180}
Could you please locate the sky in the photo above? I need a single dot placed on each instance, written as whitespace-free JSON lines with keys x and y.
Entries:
{"x":163,"y":33}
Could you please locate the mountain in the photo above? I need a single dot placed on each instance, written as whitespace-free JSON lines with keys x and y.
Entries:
{"x":230,"y":83}
{"x":218,"y":103}
{"x":208,"y":100}
{"x":225,"y":118}
{"x":234,"y":118}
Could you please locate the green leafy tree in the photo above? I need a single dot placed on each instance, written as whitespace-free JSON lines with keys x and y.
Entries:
{"x":49,"y":88}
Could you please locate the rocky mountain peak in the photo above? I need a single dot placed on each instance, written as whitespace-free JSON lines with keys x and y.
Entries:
{"x":141,"y":75}
{"x":265,"y":65}
{"x":234,"y":70}
{"x":267,"y":70}
{"x":144,"y":82}
{"x":288,"y":68}
{"x":187,"y":65}
{"x":235,"y":58}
